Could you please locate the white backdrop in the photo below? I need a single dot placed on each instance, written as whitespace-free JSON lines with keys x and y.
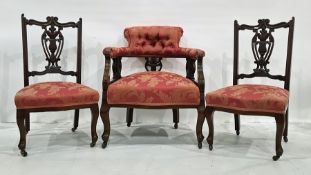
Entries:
{"x":207,"y":24}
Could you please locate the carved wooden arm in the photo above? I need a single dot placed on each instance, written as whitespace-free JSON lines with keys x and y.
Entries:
{"x":201,"y":80}
{"x":106,"y":76}
{"x":190,"y":70}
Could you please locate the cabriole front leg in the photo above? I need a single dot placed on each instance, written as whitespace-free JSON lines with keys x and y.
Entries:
{"x":280,"y":124}
{"x":95,"y":113}
{"x":104,"y":114}
{"x":200,"y":122}
{"x":104,"y":109}
{"x":27,"y":122}
{"x":20,"y":120}
{"x":210,"y":122}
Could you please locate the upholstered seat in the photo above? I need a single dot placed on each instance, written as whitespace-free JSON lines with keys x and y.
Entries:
{"x":154,"y":89}
{"x":250,"y":98}
{"x":55,"y":94}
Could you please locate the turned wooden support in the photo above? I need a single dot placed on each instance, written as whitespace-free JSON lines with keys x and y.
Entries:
{"x":116,"y":68}
{"x":190,"y":68}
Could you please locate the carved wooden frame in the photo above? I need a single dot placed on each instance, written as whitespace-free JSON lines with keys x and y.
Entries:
{"x":22,"y":115}
{"x":261,"y":60}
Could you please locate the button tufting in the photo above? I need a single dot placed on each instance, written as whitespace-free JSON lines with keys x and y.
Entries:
{"x":162,"y":44}
{"x":155,"y":40}
{"x":146,"y":36}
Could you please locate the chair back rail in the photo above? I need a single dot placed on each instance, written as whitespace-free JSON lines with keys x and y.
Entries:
{"x":262,"y":47}
{"x":52,"y":41}
{"x":153,"y":43}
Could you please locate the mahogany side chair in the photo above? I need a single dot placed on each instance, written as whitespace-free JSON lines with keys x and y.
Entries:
{"x":256,"y":99}
{"x":57,"y":95}
{"x":153,"y":89}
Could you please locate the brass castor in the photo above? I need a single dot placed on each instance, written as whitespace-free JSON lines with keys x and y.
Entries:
{"x":92,"y":144}
{"x":210,"y":146}
{"x":200,"y":140}
{"x":176,"y":125}
{"x":23,"y":153}
{"x":104,"y":145}
{"x":285,"y":139}
{"x":210,"y":143}
{"x":128,"y":124}
{"x":200,"y":145}
{"x":73,"y":129}
{"x":279,"y":153}
{"x":275,"y":158}
{"x":94,"y":140}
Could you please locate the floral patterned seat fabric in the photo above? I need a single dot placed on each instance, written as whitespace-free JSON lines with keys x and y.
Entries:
{"x":250,"y":98}
{"x":153,"y":89}
{"x":55,"y":94}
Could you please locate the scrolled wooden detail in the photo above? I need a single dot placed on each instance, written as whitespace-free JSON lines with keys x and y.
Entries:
{"x":153,"y":64}
{"x":52,"y":41}
{"x":51,"y":21}
{"x":261,"y":74}
{"x":116,"y":68}
{"x":106,"y":76}
{"x":262,"y":47}
{"x":190,"y":68}
{"x":201,"y":80}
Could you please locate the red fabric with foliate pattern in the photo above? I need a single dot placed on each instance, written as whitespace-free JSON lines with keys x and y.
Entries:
{"x":55,"y":94}
{"x":153,"y":89}
{"x":253,"y":98}
{"x":157,"y":41}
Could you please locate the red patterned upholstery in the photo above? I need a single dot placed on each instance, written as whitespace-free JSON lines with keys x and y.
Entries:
{"x":153,"y":89}
{"x":251,"y":98}
{"x":55,"y":94}
{"x":153,"y":36}
{"x":153,"y":41}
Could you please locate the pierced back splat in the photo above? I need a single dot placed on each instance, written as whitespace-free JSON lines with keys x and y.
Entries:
{"x":52,"y":41}
{"x":153,"y":64}
{"x":262,"y":46}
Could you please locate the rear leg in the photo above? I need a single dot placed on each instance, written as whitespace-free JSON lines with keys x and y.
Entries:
{"x":237,"y":123}
{"x":76,"y":121}
{"x":176,"y":117}
{"x":129,"y":116}
{"x":210,"y":122}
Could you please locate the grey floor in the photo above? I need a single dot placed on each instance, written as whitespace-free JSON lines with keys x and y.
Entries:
{"x":153,"y":148}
